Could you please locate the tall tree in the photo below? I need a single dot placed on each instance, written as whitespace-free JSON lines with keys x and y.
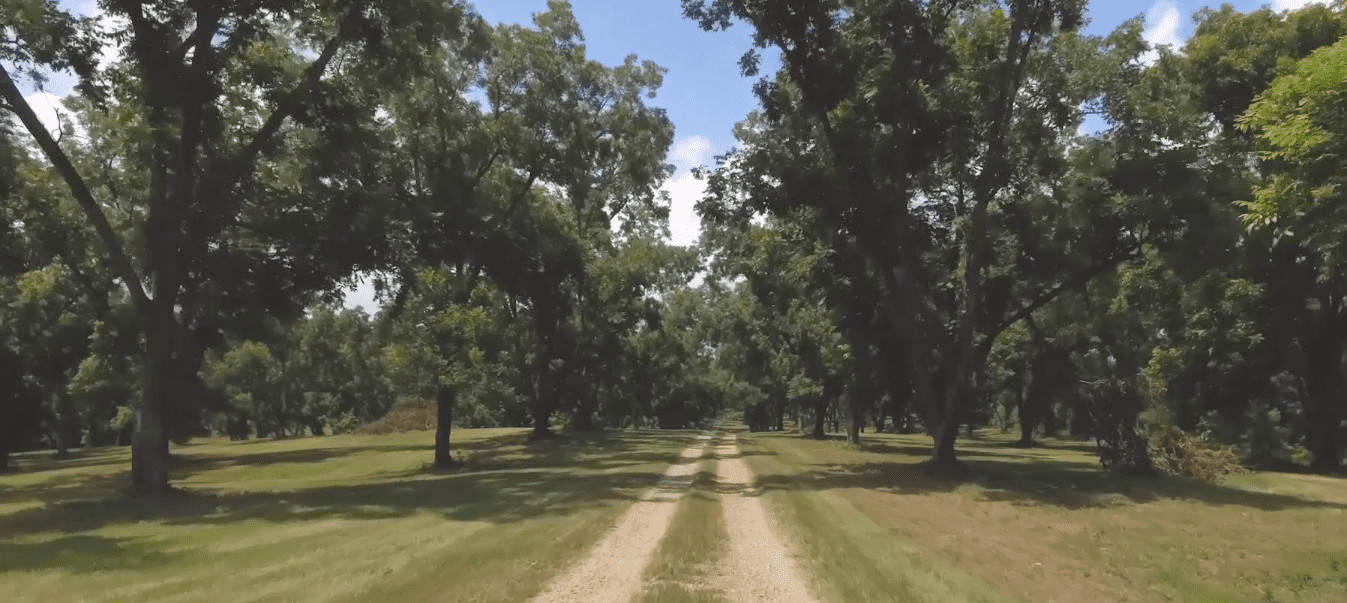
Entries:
{"x":930,"y":139}
{"x":524,"y":187}
{"x":247,"y":124}
{"x":1298,"y":124}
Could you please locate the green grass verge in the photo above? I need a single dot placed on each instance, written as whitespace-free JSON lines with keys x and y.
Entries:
{"x":333,"y":518}
{"x":1046,"y":524}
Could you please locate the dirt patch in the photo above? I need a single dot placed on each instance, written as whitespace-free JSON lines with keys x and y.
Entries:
{"x":414,"y":416}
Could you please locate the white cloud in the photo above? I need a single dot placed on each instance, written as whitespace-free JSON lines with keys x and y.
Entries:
{"x":1162,"y":28}
{"x":1294,"y":4}
{"x":361,"y":296}
{"x":684,"y":190}
{"x":45,"y":105}
{"x":691,"y":151}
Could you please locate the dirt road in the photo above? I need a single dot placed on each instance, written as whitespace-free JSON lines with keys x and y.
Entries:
{"x":757,"y":564}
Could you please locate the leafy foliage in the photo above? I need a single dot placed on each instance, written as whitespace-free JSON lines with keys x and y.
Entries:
{"x":913,"y":233}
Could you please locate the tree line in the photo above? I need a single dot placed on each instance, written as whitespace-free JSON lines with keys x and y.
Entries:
{"x":171,"y":255}
{"x":948,"y":215}
{"x":943,"y":215}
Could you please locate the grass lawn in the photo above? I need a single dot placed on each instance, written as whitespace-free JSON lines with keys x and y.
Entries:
{"x":332,"y":518}
{"x":1045,"y":525}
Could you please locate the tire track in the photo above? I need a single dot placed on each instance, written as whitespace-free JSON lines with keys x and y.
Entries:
{"x":759,"y":565}
{"x":612,"y":570}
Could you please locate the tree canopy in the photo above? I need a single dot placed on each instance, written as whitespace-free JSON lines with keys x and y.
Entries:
{"x":941,"y":216}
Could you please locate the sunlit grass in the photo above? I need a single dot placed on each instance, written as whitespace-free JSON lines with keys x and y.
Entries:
{"x":344,"y":518}
{"x":1046,"y":524}
{"x":361,"y":517}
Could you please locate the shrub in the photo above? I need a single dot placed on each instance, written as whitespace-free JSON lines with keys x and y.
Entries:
{"x":1115,"y":408}
{"x":416,"y":416}
{"x":1176,"y":452}
{"x":345,"y":423}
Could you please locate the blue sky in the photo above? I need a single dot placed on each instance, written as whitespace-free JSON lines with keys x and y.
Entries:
{"x":703,"y":91}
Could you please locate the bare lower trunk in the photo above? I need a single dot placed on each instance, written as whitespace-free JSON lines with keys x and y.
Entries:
{"x":1322,"y":426}
{"x":585,"y":411}
{"x":857,"y":403}
{"x":541,"y":408}
{"x":1048,"y":419}
{"x":1026,"y":425}
{"x":4,"y":453}
{"x":444,"y":416}
{"x":1323,"y":444}
{"x":284,"y":414}
{"x":854,"y":427}
{"x":61,"y":429}
{"x":942,"y":455}
{"x":820,"y":413}
{"x":149,"y":443}
{"x":543,"y":381}
{"x":1322,"y":417}
{"x":1026,"y":435}
{"x":1082,"y":427}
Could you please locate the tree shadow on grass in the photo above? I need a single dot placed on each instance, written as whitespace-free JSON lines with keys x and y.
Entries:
{"x":46,"y":460}
{"x":80,"y":486}
{"x":741,"y":453}
{"x":79,"y":554}
{"x":193,"y":464}
{"x":76,"y":487}
{"x":1062,"y":484}
{"x":886,"y":444}
{"x":557,"y":479}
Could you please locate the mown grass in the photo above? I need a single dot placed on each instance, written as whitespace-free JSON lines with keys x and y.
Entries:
{"x":1045,"y":524}
{"x":689,"y":551}
{"x":334,"y":518}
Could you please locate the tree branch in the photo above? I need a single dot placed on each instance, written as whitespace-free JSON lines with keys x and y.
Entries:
{"x":1076,"y":280}
{"x":121,"y":263}
{"x":287,"y":106}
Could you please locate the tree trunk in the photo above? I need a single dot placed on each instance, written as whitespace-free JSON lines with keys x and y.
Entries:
{"x":586,"y":408}
{"x":285,"y":412}
{"x":854,"y":426}
{"x":543,"y":382}
{"x":4,"y":452}
{"x":444,"y":417}
{"x":541,"y":408}
{"x":942,"y":455}
{"x":60,"y":431}
{"x":820,"y":413}
{"x":1048,"y":418}
{"x":857,"y":402}
{"x":1081,"y":424}
{"x":1026,"y":434}
{"x":1027,"y":423}
{"x":149,"y":443}
{"x":1321,"y":414}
